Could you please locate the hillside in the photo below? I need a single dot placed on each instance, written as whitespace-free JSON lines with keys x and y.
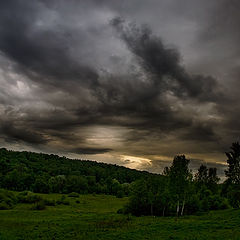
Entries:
{"x":46,"y":173}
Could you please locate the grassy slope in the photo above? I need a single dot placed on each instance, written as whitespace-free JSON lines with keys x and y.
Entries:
{"x":95,"y":218}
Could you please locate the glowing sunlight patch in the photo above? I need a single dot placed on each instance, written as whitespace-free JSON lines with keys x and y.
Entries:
{"x":135,"y":162}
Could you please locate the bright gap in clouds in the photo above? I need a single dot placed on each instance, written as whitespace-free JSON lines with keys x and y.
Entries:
{"x":135,"y":162}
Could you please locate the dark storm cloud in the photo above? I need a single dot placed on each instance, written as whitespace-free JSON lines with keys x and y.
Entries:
{"x":40,"y":52}
{"x":20,"y":133}
{"x":91,"y":150}
{"x":160,"y":62}
{"x":43,"y":55}
{"x":219,"y":37}
{"x":67,"y":70}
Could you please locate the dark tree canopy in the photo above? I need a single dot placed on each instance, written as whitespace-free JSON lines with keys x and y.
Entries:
{"x":233,"y":171}
{"x":47,"y":173}
{"x":177,"y":193}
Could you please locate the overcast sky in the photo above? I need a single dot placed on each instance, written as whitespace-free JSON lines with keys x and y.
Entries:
{"x":130,"y":82}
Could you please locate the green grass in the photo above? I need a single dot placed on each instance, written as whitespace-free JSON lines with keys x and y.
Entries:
{"x":95,"y":217}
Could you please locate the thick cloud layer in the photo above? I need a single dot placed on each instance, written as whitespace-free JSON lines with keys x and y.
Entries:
{"x":106,"y":80}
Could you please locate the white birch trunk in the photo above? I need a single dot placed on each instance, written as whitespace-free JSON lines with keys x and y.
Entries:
{"x":183,"y":207}
{"x":163,"y":213}
{"x":177,"y":208}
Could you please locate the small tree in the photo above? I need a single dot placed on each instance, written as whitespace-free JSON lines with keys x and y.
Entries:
{"x":233,"y":171}
{"x":207,"y":178}
{"x":212,"y":180}
{"x":202,"y":175}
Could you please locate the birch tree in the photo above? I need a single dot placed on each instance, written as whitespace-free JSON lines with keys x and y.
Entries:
{"x":179,"y":177}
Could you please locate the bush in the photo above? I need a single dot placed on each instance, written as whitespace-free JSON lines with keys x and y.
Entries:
{"x":193,"y":205}
{"x":217,"y":202}
{"x":224,"y":204}
{"x":63,"y":201}
{"x":234,"y":197}
{"x":4,"y":206}
{"x":120,"y":194}
{"x":39,"y":206}
{"x":28,"y":197}
{"x":7,"y":200}
{"x":49,"y":202}
{"x":24,"y":193}
{"x":73,"y":194}
{"x":121,"y":211}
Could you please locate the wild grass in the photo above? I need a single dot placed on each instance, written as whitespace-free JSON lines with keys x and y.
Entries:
{"x":95,"y":217}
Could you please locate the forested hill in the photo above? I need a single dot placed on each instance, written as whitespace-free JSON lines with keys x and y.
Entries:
{"x":50,"y":173}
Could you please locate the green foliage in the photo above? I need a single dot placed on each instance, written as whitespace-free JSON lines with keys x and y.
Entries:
{"x":44,"y":173}
{"x":39,"y":205}
{"x":177,"y":193}
{"x":28,"y":197}
{"x":7,"y":199}
{"x":233,"y":195}
{"x":41,"y":184}
{"x":233,"y":171}
{"x":49,"y":202}
{"x":149,"y":197}
{"x":77,"y":183}
{"x":231,"y":187}
{"x":95,"y":217}
{"x":73,"y":194}
{"x":4,"y":206}
{"x":63,"y":201}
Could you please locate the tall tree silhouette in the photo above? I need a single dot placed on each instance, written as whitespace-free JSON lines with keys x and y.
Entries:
{"x":233,"y":171}
{"x":179,"y":176}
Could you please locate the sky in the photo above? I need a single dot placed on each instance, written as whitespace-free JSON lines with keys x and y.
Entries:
{"x":132,"y":83}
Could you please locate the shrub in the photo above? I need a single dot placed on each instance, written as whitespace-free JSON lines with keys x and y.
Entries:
{"x":63,"y":201}
{"x":224,"y":204}
{"x":120,"y":194}
{"x":7,"y":200}
{"x":120,"y":211}
{"x":66,"y":202}
{"x":193,"y":205}
{"x":234,"y":197}
{"x":4,"y":206}
{"x":28,"y":197}
{"x":39,"y":205}
{"x":49,"y":202}
{"x":73,"y":194}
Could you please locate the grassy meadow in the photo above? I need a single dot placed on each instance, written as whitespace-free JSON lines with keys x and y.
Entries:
{"x":95,"y":217}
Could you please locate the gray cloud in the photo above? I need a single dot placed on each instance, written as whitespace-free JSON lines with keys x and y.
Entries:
{"x":75,"y":78}
{"x":163,"y":64}
{"x":91,"y":150}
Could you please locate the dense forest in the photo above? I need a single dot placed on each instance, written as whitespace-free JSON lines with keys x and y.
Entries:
{"x":44,"y":173}
{"x":175,"y":192}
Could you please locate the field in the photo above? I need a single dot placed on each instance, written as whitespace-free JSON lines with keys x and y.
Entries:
{"x":94,"y":217}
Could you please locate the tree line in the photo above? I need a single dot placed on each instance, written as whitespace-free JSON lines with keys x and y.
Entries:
{"x":181,"y":192}
{"x":175,"y":192}
{"x":48,"y":173}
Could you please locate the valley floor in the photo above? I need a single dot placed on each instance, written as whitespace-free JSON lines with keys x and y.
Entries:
{"x":94,"y":217}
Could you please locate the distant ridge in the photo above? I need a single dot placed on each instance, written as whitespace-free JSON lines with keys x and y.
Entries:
{"x":42,"y":172}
